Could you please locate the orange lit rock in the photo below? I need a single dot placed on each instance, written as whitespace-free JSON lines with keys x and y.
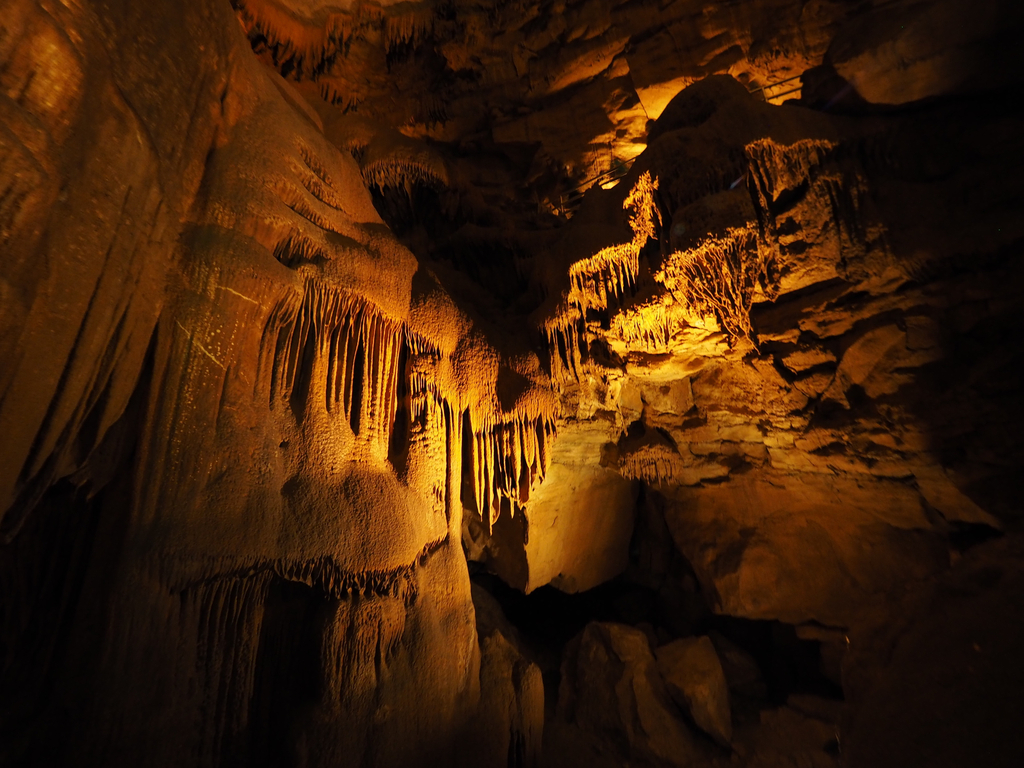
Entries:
{"x":574,"y":531}
{"x":513,"y":706}
{"x":302,"y":303}
{"x":772,"y":531}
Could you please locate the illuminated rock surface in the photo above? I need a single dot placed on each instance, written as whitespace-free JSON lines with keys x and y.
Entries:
{"x":337,"y":428}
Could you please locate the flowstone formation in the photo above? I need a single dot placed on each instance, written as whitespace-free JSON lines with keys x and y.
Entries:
{"x":235,"y":411}
{"x":341,"y":429}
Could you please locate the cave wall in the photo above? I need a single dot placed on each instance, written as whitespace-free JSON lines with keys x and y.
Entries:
{"x":206,"y":325}
{"x":296,"y":317}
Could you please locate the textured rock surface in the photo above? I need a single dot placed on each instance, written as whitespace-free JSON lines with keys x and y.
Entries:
{"x":742,"y":674}
{"x":611,"y":689}
{"x":510,"y":721}
{"x":300,"y":306}
{"x":813,"y":451}
{"x":575,"y":529}
{"x":231,"y":513}
{"x":695,"y":680}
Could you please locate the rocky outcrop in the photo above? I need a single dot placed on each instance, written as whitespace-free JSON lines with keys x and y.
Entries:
{"x":509,"y":723}
{"x":574,"y":531}
{"x":581,"y":79}
{"x":235,"y":413}
{"x":797,"y":442}
{"x":696,"y":682}
{"x":933,"y":667}
{"x":766,"y":370}
{"x":612,"y":691}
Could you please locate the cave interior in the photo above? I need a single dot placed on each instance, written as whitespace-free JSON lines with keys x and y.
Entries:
{"x":512,"y":383}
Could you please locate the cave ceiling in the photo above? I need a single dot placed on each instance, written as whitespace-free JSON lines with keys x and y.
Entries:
{"x":330,"y":331}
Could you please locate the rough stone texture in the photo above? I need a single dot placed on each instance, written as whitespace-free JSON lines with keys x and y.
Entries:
{"x":741,"y":672}
{"x":695,"y":680}
{"x":830,"y":447}
{"x":285,"y":319}
{"x":230,"y":511}
{"x":771,"y":531}
{"x":509,"y":724}
{"x":575,"y":529}
{"x":579,"y":80}
{"x":611,"y":689}
{"x":918,"y":49}
{"x":935,"y":675}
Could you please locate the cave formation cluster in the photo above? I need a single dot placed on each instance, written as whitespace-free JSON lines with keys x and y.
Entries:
{"x":511,"y":383}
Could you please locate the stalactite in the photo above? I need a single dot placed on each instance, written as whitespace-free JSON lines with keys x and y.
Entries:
{"x":563,"y":337}
{"x":407,"y":26}
{"x":322,"y":573}
{"x":304,"y":47}
{"x":652,"y":467}
{"x":605,"y":276}
{"x":649,"y":326}
{"x":506,"y":458}
{"x":360,"y":349}
{"x":775,"y":167}
{"x":298,"y":45}
{"x":721,"y":277}
{"x":396,"y":161}
{"x":596,"y":280}
{"x":220,"y":614}
{"x":297,"y":249}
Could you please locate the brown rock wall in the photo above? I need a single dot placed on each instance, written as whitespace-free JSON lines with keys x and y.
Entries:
{"x":246,"y":429}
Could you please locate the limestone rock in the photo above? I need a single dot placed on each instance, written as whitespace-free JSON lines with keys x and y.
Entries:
{"x":785,"y":736}
{"x":695,"y":679}
{"x":939,"y":491}
{"x":772,"y":531}
{"x":939,"y":48}
{"x":296,"y":299}
{"x":510,"y":719}
{"x":936,"y":677}
{"x":611,"y":688}
{"x":574,"y":531}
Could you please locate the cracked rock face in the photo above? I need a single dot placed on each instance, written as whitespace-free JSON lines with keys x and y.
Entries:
{"x":301,"y":307}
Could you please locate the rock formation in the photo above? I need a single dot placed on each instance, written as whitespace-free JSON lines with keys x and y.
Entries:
{"x":311,"y":310}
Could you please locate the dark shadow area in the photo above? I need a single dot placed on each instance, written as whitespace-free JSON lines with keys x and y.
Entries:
{"x":548,"y":619}
{"x":287,"y":671}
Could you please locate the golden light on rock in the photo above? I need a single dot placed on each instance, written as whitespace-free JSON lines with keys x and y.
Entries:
{"x":510,"y":384}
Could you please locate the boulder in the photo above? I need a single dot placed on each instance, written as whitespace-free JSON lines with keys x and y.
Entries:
{"x":802,"y":547}
{"x":695,"y":680}
{"x":611,"y":690}
{"x":510,"y":718}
